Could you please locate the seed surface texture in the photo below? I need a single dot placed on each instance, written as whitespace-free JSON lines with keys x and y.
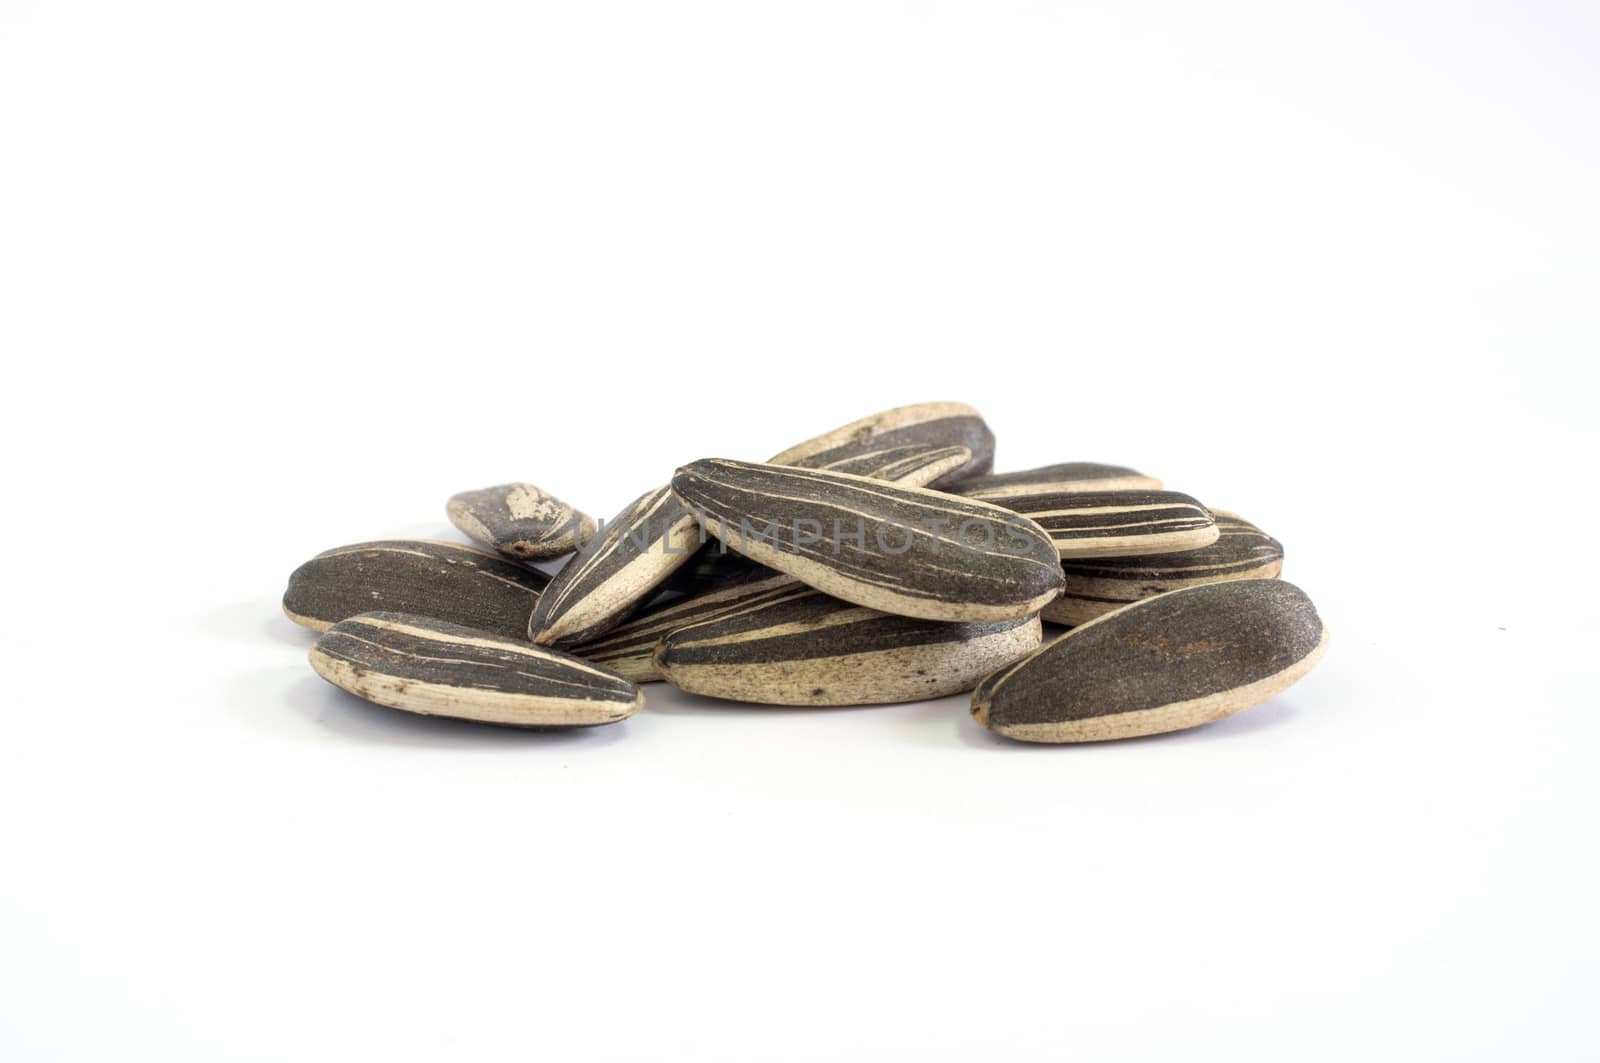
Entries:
{"x":903,"y":550}
{"x":1166,"y":663}
{"x":446,"y":581}
{"x":424,"y":666}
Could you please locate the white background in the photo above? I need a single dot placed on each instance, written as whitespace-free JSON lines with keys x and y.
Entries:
{"x":278,"y":277}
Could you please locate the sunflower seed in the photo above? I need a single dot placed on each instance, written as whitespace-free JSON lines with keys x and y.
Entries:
{"x":1167,"y":663}
{"x":1056,"y":479}
{"x":1094,"y":588}
{"x":1117,"y":523}
{"x":629,"y":648}
{"x":438,"y":669}
{"x":927,"y":424}
{"x":520,"y":521}
{"x":903,"y":550}
{"x":912,"y":465}
{"x":601,"y":584}
{"x":445,"y":581}
{"x":798,"y":646}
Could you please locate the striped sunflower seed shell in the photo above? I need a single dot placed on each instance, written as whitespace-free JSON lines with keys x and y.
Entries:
{"x":1117,"y":523}
{"x":798,"y":646}
{"x":520,"y":521}
{"x":425,"y":666}
{"x":445,"y":581}
{"x":629,"y":649}
{"x":1166,"y":663}
{"x":1094,"y":588}
{"x":913,"y":465}
{"x":601,"y":584}
{"x":927,"y":424}
{"x":1056,"y":479}
{"x":903,"y":550}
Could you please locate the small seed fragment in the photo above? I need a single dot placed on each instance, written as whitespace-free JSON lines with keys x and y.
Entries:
{"x":1096,"y":587}
{"x":445,"y":581}
{"x":520,"y":521}
{"x":904,"y":550}
{"x":1056,"y":479}
{"x":605,"y":581}
{"x":433,"y":668}
{"x":1166,"y":663}
{"x":928,"y":424}
{"x":1117,"y":523}
{"x":629,"y":648}
{"x":798,"y":646}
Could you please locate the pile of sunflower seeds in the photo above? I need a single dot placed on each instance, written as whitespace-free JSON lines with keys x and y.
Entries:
{"x":880,"y":562}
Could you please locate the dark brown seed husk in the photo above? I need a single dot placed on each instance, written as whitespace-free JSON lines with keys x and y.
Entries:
{"x":432,"y":668}
{"x":1056,"y":479}
{"x":926,"y":424}
{"x":1166,"y":663}
{"x":520,"y":521}
{"x":903,"y":550}
{"x":446,"y":581}
{"x":714,"y":566}
{"x":1116,"y":523}
{"x":1096,"y":587}
{"x":608,"y":579}
{"x":798,"y":646}
{"x":629,"y":648}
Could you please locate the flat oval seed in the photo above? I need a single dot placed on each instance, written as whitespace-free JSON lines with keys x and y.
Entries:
{"x":600,"y":585}
{"x":520,"y":521}
{"x":424,"y":666}
{"x":446,"y":581}
{"x":798,"y":646}
{"x":912,"y":465}
{"x":930,"y":424}
{"x":629,"y":649}
{"x":1117,"y":523}
{"x":903,"y":550}
{"x":1094,"y":588}
{"x":1056,"y":479}
{"x":1167,"y":663}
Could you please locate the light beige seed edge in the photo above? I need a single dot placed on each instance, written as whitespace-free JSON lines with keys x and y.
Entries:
{"x":468,"y":523}
{"x":308,"y":621}
{"x":1110,"y":483}
{"x":1136,"y":545}
{"x":468,"y":703}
